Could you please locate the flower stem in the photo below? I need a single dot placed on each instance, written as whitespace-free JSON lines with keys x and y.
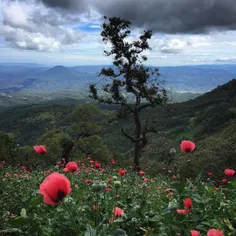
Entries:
{"x":71,"y":216}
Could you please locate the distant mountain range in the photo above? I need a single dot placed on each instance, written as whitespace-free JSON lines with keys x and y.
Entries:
{"x":44,"y":79}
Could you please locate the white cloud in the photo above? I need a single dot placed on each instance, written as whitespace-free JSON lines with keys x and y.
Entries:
{"x":49,"y":34}
{"x":22,"y":30}
{"x":172,"y":46}
{"x":14,"y":16}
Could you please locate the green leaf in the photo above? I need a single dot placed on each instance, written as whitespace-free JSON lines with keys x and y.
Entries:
{"x":179,"y":187}
{"x":119,"y":232}
{"x":11,"y":230}
{"x":79,"y":195}
{"x":155,"y":218}
{"x":19,"y":221}
{"x":233,"y":184}
{"x":90,"y":231}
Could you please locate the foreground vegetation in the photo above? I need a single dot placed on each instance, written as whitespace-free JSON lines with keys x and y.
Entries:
{"x":117,"y":169}
{"x":91,"y":198}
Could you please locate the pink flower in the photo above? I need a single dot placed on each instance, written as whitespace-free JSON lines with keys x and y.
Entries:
{"x":86,"y":181}
{"x":97,"y":165}
{"x":224,"y":180}
{"x":72,"y":166}
{"x":40,"y":149}
{"x":141,"y":172}
{"x":146,"y":180}
{"x":15,"y":175}
{"x":187,"y":146}
{"x":95,"y":207}
{"x":174,"y":177}
{"x":65,"y":170}
{"x":182,"y":211}
{"x":188,"y":203}
{"x":113,"y":162}
{"x":215,"y":232}
{"x":54,"y":188}
{"x":194,"y":233}
{"x":122,"y":172}
{"x":118,"y":212}
{"x":229,"y":172}
{"x":7,"y":174}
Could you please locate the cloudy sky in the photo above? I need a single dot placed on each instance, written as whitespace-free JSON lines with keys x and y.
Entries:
{"x":185,"y":32}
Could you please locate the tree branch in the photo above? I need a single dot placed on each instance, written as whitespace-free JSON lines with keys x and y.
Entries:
{"x":130,"y":137}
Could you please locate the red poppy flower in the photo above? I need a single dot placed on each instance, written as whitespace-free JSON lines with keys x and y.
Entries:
{"x":40,"y":149}
{"x":86,"y":181}
{"x":72,"y":166}
{"x":97,"y":165}
{"x":188,"y":203}
{"x":66,"y":170}
{"x":182,"y":211}
{"x":146,"y":180}
{"x":113,"y":162}
{"x":7,"y":174}
{"x":187,"y":146}
{"x":54,"y":188}
{"x":118,"y":212}
{"x":122,"y":172}
{"x":194,"y":233}
{"x":95,"y":207}
{"x":229,"y":172}
{"x":215,"y":232}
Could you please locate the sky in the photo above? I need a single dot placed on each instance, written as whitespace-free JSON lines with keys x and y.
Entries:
{"x":67,"y":32}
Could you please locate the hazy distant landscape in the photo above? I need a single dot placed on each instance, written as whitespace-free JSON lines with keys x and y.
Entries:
{"x":41,"y":78}
{"x":34,"y":83}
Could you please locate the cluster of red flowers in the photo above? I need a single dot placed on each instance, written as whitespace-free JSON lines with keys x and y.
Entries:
{"x":211,"y":232}
{"x":56,"y":186}
{"x":188,"y":203}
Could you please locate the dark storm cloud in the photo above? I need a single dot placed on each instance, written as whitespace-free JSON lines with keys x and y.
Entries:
{"x":167,"y":16}
{"x":173,"y":16}
{"x":72,"y":5}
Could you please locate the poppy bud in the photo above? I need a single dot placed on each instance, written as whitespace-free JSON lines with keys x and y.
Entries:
{"x":96,"y":187}
{"x":172,"y":151}
{"x":117,"y":183}
{"x":103,"y":185}
{"x":114,"y":177}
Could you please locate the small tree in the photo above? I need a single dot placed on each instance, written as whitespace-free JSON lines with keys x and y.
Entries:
{"x":129,"y":75}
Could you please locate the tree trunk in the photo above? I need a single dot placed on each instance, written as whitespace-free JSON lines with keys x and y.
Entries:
{"x":136,"y":156}
{"x":138,"y":130}
{"x":67,"y":148}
